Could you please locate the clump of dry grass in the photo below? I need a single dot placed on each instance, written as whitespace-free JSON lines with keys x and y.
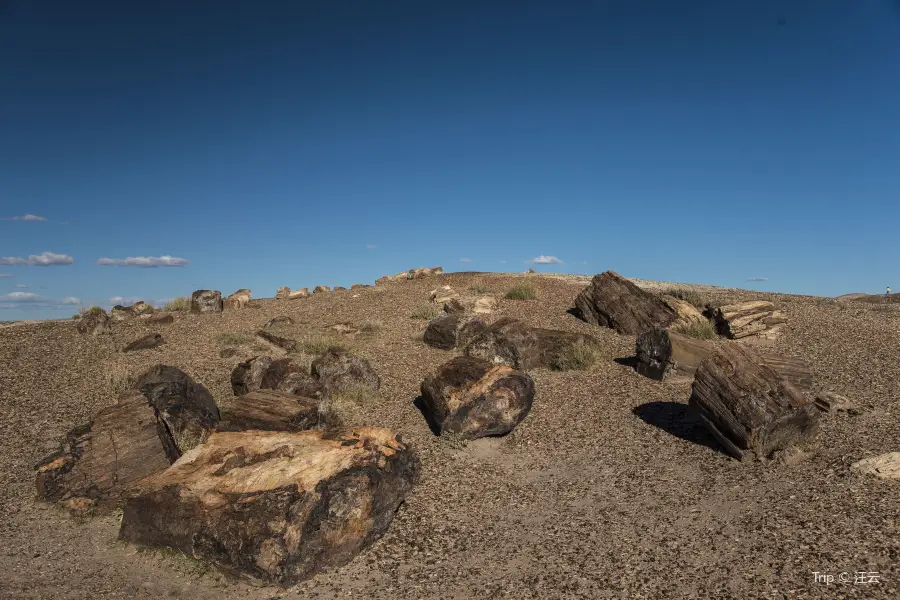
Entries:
{"x":580,"y":356}
{"x":318,"y":345}
{"x":371,"y":327}
{"x":230,"y":338}
{"x":704,"y":330}
{"x":524,"y":290}
{"x":426,"y":312}
{"x":478,"y":288}
{"x":187,"y":440}
{"x":177,"y":304}
{"x":690,"y":296}
{"x":347,"y":407}
{"x":119,"y":379}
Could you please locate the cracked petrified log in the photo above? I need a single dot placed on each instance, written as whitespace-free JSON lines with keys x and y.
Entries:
{"x":206,"y":301}
{"x":662,"y":351}
{"x":511,"y":342}
{"x":748,"y":406}
{"x":612,"y":301}
{"x":239,"y":299}
{"x":269,"y":410}
{"x":452,"y":330}
{"x":147,"y":342}
{"x":276,"y":342}
{"x":338,"y":370}
{"x":473,"y":398}
{"x":754,"y":318}
{"x":276,"y":507}
{"x":248,"y":375}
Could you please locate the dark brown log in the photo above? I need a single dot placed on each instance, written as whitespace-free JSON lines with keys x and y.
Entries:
{"x":268,"y":410}
{"x":452,"y":330}
{"x":275,"y":507}
{"x":453,"y":306}
{"x":509,"y":342}
{"x":612,"y":301}
{"x":160,"y":319}
{"x":301,"y":384}
{"x":94,"y":322}
{"x":248,"y":376}
{"x":147,"y":342}
{"x":554,"y":345}
{"x":277,"y":342}
{"x":338,"y":370}
{"x":473,"y":398}
{"x":750,"y":409}
{"x":206,"y":301}
{"x":99,"y":463}
{"x":185,"y":410}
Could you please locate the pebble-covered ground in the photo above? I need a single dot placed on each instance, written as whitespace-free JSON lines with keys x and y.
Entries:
{"x":608,"y":489}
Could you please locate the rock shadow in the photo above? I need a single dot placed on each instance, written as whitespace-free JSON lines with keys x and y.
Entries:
{"x":435,"y":427}
{"x":627,"y":361}
{"x":679,"y":420}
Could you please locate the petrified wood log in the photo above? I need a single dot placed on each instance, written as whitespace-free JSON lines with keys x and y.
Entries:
{"x":147,"y":342}
{"x":239,"y":299}
{"x":451,"y":330}
{"x":206,"y":301}
{"x":612,"y":301}
{"x":185,"y":410}
{"x":269,"y":410}
{"x":276,"y":342}
{"x":94,"y":322}
{"x":756,"y":317}
{"x":275,"y":506}
{"x":473,"y":398}
{"x":509,"y":342}
{"x":338,"y":370}
{"x":748,"y":406}
{"x":686,"y":313}
{"x":99,"y":463}
{"x":279,"y":320}
{"x":160,"y":319}
{"x":248,"y":376}
{"x":554,"y":344}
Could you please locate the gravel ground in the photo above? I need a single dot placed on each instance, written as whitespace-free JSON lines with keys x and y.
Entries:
{"x":608,"y":489}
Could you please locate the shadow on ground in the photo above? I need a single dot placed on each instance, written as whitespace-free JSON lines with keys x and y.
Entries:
{"x":679,"y":420}
{"x":435,"y":427}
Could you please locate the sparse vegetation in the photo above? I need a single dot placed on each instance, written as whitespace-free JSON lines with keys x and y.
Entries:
{"x":478,"y":288}
{"x":318,"y":345}
{"x":234,"y":339}
{"x":523,"y":290}
{"x":688,"y":295}
{"x":345,"y":408}
{"x":371,"y":327}
{"x":426,"y":312}
{"x":186,"y":440}
{"x":579,"y":356}
{"x":177,"y":304}
{"x":119,"y":381}
{"x":704,"y":330}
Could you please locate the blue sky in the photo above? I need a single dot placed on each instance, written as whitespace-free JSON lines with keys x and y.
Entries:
{"x":331,"y":142}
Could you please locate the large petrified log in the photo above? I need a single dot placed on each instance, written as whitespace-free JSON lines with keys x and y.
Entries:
{"x":662,"y":351}
{"x":338,"y":370}
{"x":248,"y":376}
{"x":756,"y":317}
{"x":206,"y":301}
{"x":612,"y":301}
{"x":94,"y":322}
{"x":99,"y":463}
{"x":686,"y":313}
{"x":511,"y":342}
{"x":452,"y":330}
{"x":269,"y":410}
{"x":275,"y":506}
{"x":276,"y":342}
{"x":147,"y":342}
{"x":473,"y":398}
{"x":239,"y":299}
{"x":748,"y":406}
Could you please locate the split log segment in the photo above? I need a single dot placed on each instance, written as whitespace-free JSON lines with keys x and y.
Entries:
{"x":612,"y":301}
{"x":275,"y":507}
{"x":269,"y":410}
{"x":749,"y":408}
{"x":452,"y":330}
{"x":756,"y":317}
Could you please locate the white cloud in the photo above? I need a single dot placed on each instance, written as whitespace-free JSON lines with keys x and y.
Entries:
{"x":144,"y":262}
{"x":71,"y":300}
{"x":466,"y":260}
{"x":371,"y":246}
{"x":22,"y":286}
{"x":44,"y":259}
{"x":545,"y":260}
{"x":6,"y":276}
{"x":20,"y":297}
{"x":28,"y":217}
{"x":757,"y":279}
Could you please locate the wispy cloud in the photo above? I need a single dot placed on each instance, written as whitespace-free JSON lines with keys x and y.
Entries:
{"x":20,"y":297}
{"x":544,"y":260}
{"x":6,"y":276}
{"x":757,"y":279}
{"x":44,"y":259}
{"x":22,"y":286}
{"x":144,"y":262}
{"x":28,"y":217}
{"x":465,"y":260}
{"x":31,"y":301}
{"x":71,"y":300}
{"x":371,"y":246}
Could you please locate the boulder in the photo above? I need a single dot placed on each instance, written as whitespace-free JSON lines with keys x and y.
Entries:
{"x":276,"y":342}
{"x":473,"y":398}
{"x":748,"y":406}
{"x":301,"y":293}
{"x":452,"y":330}
{"x":279,"y":320}
{"x":121,"y":313}
{"x":276,"y":507}
{"x":758,"y":318}
{"x":508,"y":342}
{"x":321,"y":288}
{"x":94,"y":322}
{"x":101,"y":462}
{"x":485,"y":305}
{"x":454,"y":306}
{"x":443,"y":294}
{"x":687,"y":315}
{"x":269,"y":410}
{"x":141,"y":308}
{"x":283,"y":292}
{"x":206,"y":301}
{"x":299,"y":383}
{"x":248,"y":376}
{"x":612,"y":301}
{"x":239,"y":299}
{"x":277,"y":371}
{"x":160,"y":319}
{"x":338,"y":370}
{"x":185,"y":410}
{"x":884,"y":466}
{"x":338,"y":288}
{"x":151,"y":340}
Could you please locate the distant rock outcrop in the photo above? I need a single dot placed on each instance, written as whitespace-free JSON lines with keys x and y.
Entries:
{"x":239,"y":299}
{"x":206,"y":301}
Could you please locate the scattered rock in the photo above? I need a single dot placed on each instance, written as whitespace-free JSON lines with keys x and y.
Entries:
{"x":99,"y":463}
{"x":277,"y":507}
{"x":94,"y":322}
{"x":749,"y":408}
{"x":443,"y":294}
{"x":277,"y":342}
{"x":279,"y":320}
{"x":338,"y":288}
{"x":884,"y":466}
{"x":344,"y":328}
{"x":454,"y":306}
{"x":359,"y":286}
{"x":473,"y":398}
{"x":185,"y":410}
{"x":141,"y":308}
{"x":160,"y":319}
{"x":612,"y":301}
{"x":151,"y":340}
{"x":283,"y":292}
{"x":299,"y":384}
{"x":269,"y":410}
{"x":206,"y":301}
{"x":321,"y":288}
{"x":248,"y":376}
{"x":452,"y":330}
{"x":338,"y":370}
{"x":301,"y":293}
{"x":485,"y":305}
{"x":239,"y":299}
{"x":755,"y":318}
{"x":121,"y":313}
{"x":228,"y":353}
{"x":830,"y":403}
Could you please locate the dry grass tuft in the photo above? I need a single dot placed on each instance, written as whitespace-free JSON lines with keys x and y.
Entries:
{"x":688,"y":295}
{"x":523,"y":290}
{"x":704,"y":330}
{"x":318,"y":345}
{"x":177,"y":304}
{"x":119,"y":379}
{"x":426,"y":312}
{"x":580,"y":356}
{"x":371,"y":327}
{"x":234,"y":339}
